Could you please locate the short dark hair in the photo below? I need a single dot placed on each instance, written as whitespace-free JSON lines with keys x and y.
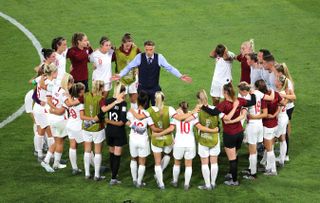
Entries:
{"x":149,"y":43}
{"x":220,"y":49}
{"x":253,"y":56}
{"x":265,"y":52}
{"x":268,"y":58}
{"x":142,"y":98}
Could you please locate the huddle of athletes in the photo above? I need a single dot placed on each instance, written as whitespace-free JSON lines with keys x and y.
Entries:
{"x":61,"y":105}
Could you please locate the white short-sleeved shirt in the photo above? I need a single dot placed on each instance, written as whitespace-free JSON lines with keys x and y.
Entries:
{"x":290,"y":105}
{"x":103,"y":65}
{"x":283,"y":109}
{"x":42,"y":93}
{"x":74,"y":120}
{"x":61,"y":61}
{"x":184,"y":133}
{"x":59,"y":97}
{"x":222,"y":72}
{"x":144,"y":123}
{"x":255,"y":74}
{"x":256,"y":109}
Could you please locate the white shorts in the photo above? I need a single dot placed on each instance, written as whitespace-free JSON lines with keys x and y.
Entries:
{"x":40,"y":117}
{"x":58,"y":129}
{"x":282,"y":125}
{"x":187,"y":153}
{"x":205,"y":152}
{"x":166,"y":149}
{"x":132,"y":88}
{"x":254,"y":132}
{"x":95,"y":137}
{"x":269,"y":133}
{"x":216,"y":90}
{"x":28,"y":102}
{"x":107,"y":86}
{"x":75,"y":135}
{"x":139,"y":149}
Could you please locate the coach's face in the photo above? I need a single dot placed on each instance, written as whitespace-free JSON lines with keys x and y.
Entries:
{"x":149,"y":50}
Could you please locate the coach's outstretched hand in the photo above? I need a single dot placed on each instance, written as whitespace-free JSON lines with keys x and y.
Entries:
{"x":115,"y":77}
{"x":186,"y":78}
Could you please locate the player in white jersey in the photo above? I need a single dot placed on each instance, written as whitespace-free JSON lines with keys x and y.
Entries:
{"x":282,"y":69}
{"x":254,"y":127}
{"x":74,"y":125}
{"x":44,"y":84}
{"x":102,"y":58}
{"x":139,"y":144}
{"x":184,"y":143}
{"x":270,"y":76}
{"x":40,"y":112}
{"x":222,"y":72}
{"x":57,"y":99}
{"x":59,"y":44}
{"x":255,"y":69}
{"x":282,"y":85}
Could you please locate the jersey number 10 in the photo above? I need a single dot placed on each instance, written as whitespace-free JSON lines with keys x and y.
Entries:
{"x":184,"y":127}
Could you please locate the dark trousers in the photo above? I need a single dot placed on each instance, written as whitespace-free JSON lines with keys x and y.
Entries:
{"x":151,"y":95}
{"x":85,"y":82}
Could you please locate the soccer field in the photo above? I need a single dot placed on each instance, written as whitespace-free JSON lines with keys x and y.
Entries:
{"x":184,"y":32}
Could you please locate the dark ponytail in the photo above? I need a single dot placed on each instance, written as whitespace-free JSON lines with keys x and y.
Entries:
{"x":220,"y":49}
{"x":57,"y":42}
{"x":46,"y":52}
{"x":228,"y":88}
{"x":261,"y":86}
{"x":184,"y":106}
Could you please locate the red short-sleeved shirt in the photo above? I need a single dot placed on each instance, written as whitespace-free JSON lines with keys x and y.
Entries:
{"x":225,"y":107}
{"x":245,"y":69}
{"x":79,"y":60}
{"x":272,"y":108}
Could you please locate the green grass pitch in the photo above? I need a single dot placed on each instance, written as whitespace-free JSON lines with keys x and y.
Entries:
{"x":185,"y":32}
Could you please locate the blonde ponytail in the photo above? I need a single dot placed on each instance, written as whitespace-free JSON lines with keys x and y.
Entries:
{"x":97,"y":87}
{"x":159,"y":98}
{"x":202,"y":96}
{"x":66,"y":80}
{"x":49,"y":69}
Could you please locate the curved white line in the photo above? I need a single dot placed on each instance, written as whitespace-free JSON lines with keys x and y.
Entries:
{"x":38,"y":47}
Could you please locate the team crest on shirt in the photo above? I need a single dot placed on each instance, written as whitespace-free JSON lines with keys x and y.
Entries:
{"x":100,"y":61}
{"x":116,"y":107}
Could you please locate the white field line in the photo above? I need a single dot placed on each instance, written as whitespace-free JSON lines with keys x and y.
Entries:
{"x":38,"y":47}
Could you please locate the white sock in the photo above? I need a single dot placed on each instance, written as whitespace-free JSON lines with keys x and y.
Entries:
{"x":40,"y":145}
{"x":214,"y":173}
{"x":134,"y":169}
{"x":92,"y":158}
{"x":57,"y":158}
{"x":253,"y":163}
{"x":48,"y":157}
{"x":264,"y":158}
{"x":206,"y":174}
{"x":141,"y":171}
{"x":165,"y":162}
{"x":73,"y":158}
{"x":35,"y":137}
{"x":283,"y":150}
{"x":97,"y":164}
{"x":159,"y":175}
{"x":134,"y":105}
{"x":187,"y":175}
{"x":86,"y":161}
{"x":175,"y":173}
{"x":50,"y":141}
{"x":271,"y":161}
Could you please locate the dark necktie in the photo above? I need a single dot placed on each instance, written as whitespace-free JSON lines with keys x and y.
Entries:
{"x":149,"y":60}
